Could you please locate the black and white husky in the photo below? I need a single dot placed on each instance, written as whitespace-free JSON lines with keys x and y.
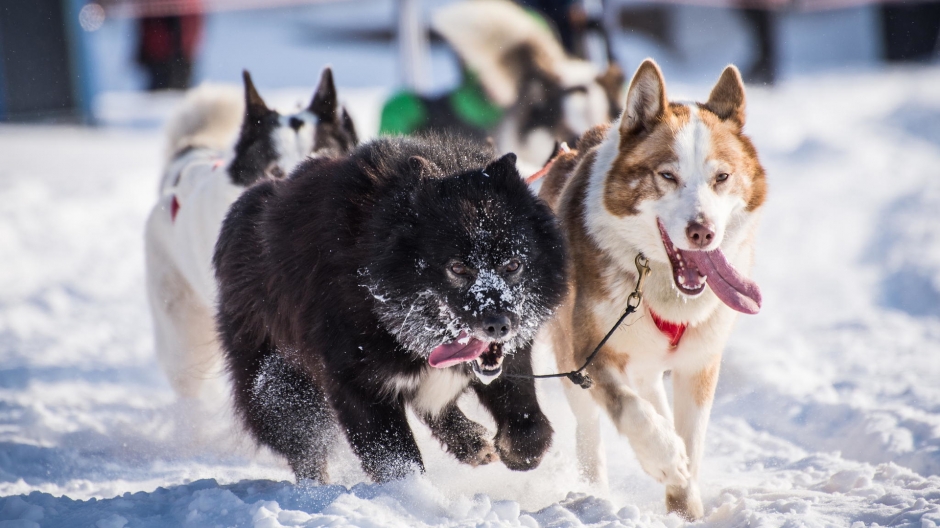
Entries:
{"x":402,"y":275}
{"x":203,"y":176}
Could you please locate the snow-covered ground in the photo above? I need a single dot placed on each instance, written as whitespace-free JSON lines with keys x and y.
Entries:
{"x":828,"y":412}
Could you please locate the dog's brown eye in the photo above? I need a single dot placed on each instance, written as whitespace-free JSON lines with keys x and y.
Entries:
{"x":668,"y":175}
{"x":722,"y":177}
{"x":457,"y":268}
{"x":513,"y":266}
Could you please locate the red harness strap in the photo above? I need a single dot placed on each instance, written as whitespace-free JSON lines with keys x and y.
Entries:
{"x":174,"y":208}
{"x":541,"y":173}
{"x":175,"y":203}
{"x":673,"y":331}
{"x":562,"y":148}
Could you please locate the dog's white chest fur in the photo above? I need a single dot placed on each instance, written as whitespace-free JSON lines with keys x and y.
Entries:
{"x":432,"y":390}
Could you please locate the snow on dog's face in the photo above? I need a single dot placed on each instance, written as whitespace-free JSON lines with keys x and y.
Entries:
{"x":682,"y":183}
{"x":473,"y":268}
{"x":271,"y":144}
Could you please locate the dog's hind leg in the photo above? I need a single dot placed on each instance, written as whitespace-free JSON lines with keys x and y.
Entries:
{"x":185,"y":341}
{"x":693,"y":392}
{"x":592,"y":463}
{"x":286,"y":411}
{"x":184,"y":330}
{"x":461,"y":436}
{"x":378,"y":432}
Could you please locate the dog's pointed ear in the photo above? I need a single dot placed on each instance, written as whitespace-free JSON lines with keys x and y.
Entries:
{"x":727,"y":97}
{"x":646,"y":100}
{"x":423,"y":167}
{"x":254,"y":104}
{"x":491,"y":144}
{"x":324,"y":102}
{"x":346,"y":123}
{"x":613,"y":78}
{"x":505,"y":165}
{"x":612,"y":82}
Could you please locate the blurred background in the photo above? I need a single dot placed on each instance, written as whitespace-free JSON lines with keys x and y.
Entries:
{"x":80,"y":61}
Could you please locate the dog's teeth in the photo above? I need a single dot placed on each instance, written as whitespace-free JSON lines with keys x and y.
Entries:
{"x":681,"y":279}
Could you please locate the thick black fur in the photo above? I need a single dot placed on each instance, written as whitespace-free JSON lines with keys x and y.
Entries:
{"x":336,"y":283}
{"x":255,"y":151}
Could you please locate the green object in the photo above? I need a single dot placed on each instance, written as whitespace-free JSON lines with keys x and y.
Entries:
{"x":402,"y":114}
{"x":405,"y":113}
{"x":471,"y":105}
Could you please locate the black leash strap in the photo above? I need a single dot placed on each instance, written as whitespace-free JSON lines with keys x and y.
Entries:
{"x":633,"y":302}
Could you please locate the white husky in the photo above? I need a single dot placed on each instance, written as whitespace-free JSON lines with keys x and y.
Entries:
{"x":203,"y":177}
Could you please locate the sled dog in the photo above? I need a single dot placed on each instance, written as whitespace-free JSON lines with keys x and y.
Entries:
{"x":203,"y":176}
{"x":546,"y":95}
{"x":680,"y":184}
{"x":403,"y":275}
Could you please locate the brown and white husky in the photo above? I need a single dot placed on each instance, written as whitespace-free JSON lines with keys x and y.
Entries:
{"x":680,"y":184}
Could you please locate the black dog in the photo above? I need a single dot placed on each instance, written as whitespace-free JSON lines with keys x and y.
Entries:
{"x":390,"y":277}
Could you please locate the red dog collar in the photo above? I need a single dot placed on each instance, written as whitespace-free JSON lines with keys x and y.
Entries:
{"x":672,"y":331}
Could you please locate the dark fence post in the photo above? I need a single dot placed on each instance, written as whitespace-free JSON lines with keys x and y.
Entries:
{"x":44,"y":73}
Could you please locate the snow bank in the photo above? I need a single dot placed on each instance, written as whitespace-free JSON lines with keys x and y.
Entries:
{"x":817,"y":490}
{"x":909,"y":249}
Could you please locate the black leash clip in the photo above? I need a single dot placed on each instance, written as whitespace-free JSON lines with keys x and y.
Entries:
{"x":583,"y":380}
{"x":633,"y":302}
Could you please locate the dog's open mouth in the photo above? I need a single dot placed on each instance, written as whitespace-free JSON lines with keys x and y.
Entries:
{"x":691,"y":270}
{"x":464,"y":348}
{"x":487,"y":356}
{"x":489,"y":365}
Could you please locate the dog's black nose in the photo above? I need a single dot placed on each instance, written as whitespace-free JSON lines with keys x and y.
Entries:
{"x":496,"y":326}
{"x":296,"y":123}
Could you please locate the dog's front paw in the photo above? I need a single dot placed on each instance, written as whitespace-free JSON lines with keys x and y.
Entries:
{"x":522,"y":445}
{"x":483,"y":453}
{"x":463,"y":438}
{"x":686,"y":502}
{"x":662,"y":454}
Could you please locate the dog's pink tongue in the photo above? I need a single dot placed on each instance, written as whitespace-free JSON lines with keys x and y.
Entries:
{"x":462,"y":349}
{"x":737,"y":291}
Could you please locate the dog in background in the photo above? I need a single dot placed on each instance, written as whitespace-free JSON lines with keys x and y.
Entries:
{"x":402,"y":275}
{"x":680,"y":184}
{"x":519,"y":85}
{"x":203,"y":176}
